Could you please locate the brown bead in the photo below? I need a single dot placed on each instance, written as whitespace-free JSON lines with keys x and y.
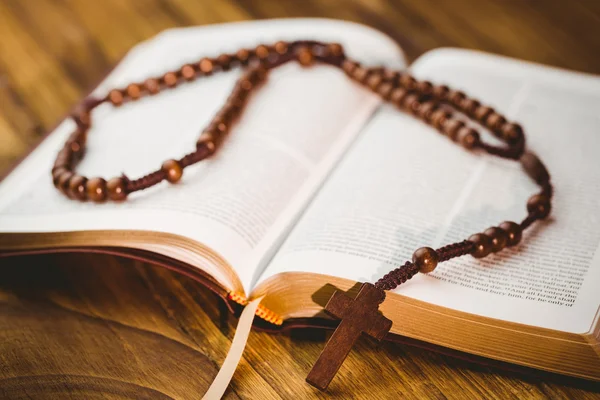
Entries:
{"x":335,"y":49}
{"x":116,"y":189}
{"x":373,"y":81}
{"x":482,"y":113}
{"x":513,"y":232}
{"x":495,"y":121}
{"x":499,"y":238}
{"x":349,"y":66}
{"x":224,"y":61}
{"x":451,"y":128}
{"x":188,"y":72}
{"x":439,"y":118}
{"x":77,"y":188}
{"x":469,"y":106}
{"x":82,"y":116}
{"x":152,"y":85}
{"x":411,"y":103}
{"x":305,"y":56}
{"x":482,"y":245}
{"x":385,"y":90}
{"x":96,"y":189}
{"x":262,"y":52}
{"x":426,"y":110}
{"x":424,"y":87}
{"x":539,"y":205}
{"x":534,"y":167}
{"x":456,"y":97}
{"x":397,"y":96}
{"x":389,"y":75}
{"x":207,"y":140}
{"x":116,"y":97}
{"x":170,"y":79}
{"x":467,"y":137}
{"x":206,"y":66}
{"x":407,"y":82}
{"x":243,"y":55}
{"x":63,"y":182}
{"x":281,"y":47}
{"x":512,"y":133}
{"x":57,"y":173}
{"x":440,"y":92}
{"x":173,"y":170}
{"x":360,"y":74}
{"x":426,"y":259}
{"x":133,"y":91}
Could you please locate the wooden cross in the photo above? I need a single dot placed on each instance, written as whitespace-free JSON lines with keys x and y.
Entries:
{"x":358,"y":316}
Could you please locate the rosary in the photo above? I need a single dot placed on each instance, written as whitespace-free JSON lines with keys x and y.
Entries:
{"x":433,"y":104}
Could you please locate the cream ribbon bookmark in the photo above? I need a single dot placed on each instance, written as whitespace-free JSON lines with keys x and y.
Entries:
{"x":219,"y":385}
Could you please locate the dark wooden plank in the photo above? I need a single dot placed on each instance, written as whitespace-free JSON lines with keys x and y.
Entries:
{"x":76,"y":326}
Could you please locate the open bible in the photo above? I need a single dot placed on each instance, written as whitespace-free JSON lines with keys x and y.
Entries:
{"x":319,"y":185}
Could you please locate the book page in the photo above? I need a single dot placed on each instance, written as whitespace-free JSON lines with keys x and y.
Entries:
{"x":239,"y":201}
{"x":403,"y":186}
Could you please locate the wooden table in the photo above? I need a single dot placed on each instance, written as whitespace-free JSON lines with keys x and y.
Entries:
{"x":80,"y":326}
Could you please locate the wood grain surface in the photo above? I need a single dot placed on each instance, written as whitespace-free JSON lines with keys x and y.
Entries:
{"x":81,"y":326}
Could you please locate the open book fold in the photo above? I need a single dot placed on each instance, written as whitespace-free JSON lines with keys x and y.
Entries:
{"x":320,"y":185}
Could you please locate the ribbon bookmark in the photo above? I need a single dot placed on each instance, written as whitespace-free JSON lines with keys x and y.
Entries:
{"x":219,"y":385}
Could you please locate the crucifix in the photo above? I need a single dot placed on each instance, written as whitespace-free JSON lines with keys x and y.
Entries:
{"x":360,"y":315}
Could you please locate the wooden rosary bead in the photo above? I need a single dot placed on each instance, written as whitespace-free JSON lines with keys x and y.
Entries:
{"x":456,"y":97}
{"x":188,"y":72}
{"x":63,"y":182}
{"x":440,"y":92}
{"x":116,"y":189}
{"x":243,"y":55}
{"x":262,"y":52}
{"x":539,"y":205}
{"x":424,"y":87}
{"x":348,"y":66}
{"x":426,"y":259}
{"x":391,"y":76}
{"x":224,"y":62}
{"x":206,"y":66}
{"x":513,"y":232}
{"x":360,"y":74}
{"x":96,"y":189}
{"x":152,"y":85}
{"x":512,"y":133}
{"x":373,"y":81}
{"x":467,"y":137}
{"x":451,"y":128}
{"x":498,"y":237}
{"x":469,"y":106}
{"x":281,"y":47}
{"x":170,"y":79}
{"x":335,"y":49}
{"x":482,"y":113}
{"x":407,"y":82}
{"x":426,"y":110}
{"x":495,"y":121}
{"x":82,"y":116}
{"x":172,"y":170}
{"x":482,"y":245}
{"x":207,"y":140}
{"x":439,"y":119}
{"x":305,"y":56}
{"x":534,"y":168}
{"x":385,"y":90}
{"x":115,"y":96}
{"x":411,"y":102}
{"x":397,"y":96}
{"x":57,"y":173}
{"x":133,"y":91}
{"x":77,"y":187}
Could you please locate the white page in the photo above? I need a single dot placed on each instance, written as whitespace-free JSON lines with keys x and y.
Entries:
{"x":403,"y":186}
{"x":240,"y":200}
